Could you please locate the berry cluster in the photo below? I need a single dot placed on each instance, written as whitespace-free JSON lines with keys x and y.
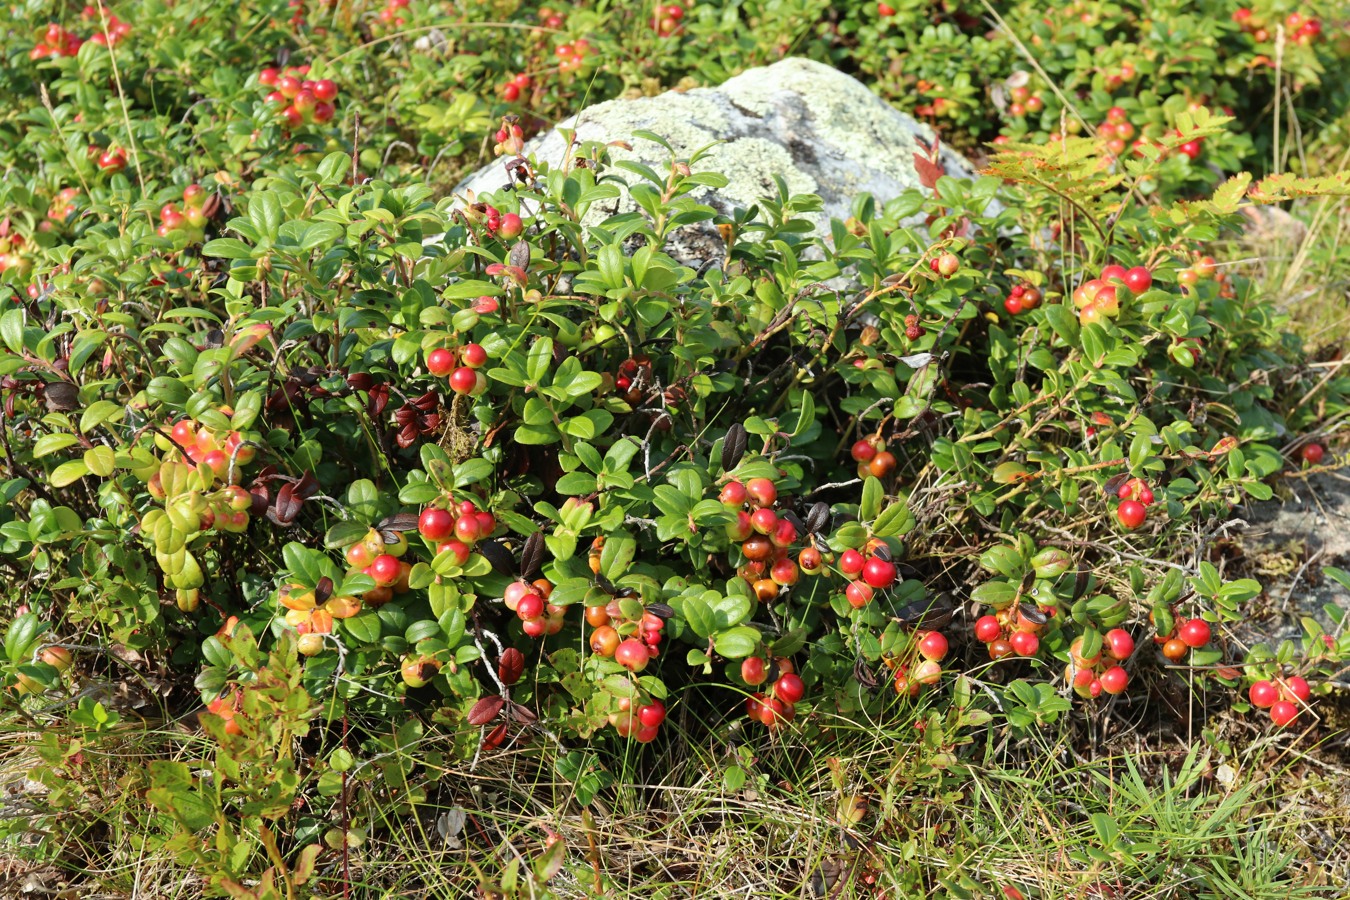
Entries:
{"x":191,"y":219}
{"x":1021,"y":298}
{"x":529,"y":601}
{"x":1186,"y":635}
{"x":1283,"y":697}
{"x":1135,"y":498}
{"x":312,"y":616}
{"x":1100,"y":297}
{"x":931,"y":647}
{"x":57,"y":42}
{"x":1024,"y":101}
{"x":463,"y":374}
{"x":778,"y":705}
{"x":764,"y":537}
{"x":513,"y":87}
{"x":1090,"y":677}
{"x":550,"y":18}
{"x":297,"y":19}
{"x":11,"y":251}
{"x":667,"y":19}
{"x":872,"y":457}
{"x":640,"y":722}
{"x":110,"y":160}
{"x":633,"y":378}
{"x":632,"y":641}
{"x":510,"y":137}
{"x":392,"y":14}
{"x":1012,"y":631}
{"x":1299,"y":27}
{"x":301,"y":100}
{"x":63,"y":205}
{"x":869,"y":573}
{"x":940,"y":106}
{"x":455,"y":530}
{"x":945,"y":264}
{"x":1203,"y":269}
{"x":1114,"y":78}
{"x":209,"y":448}
{"x":1117,"y":130}
{"x":573,"y":56}
{"x":381,"y":558}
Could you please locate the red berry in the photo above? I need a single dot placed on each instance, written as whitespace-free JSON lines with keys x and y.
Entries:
{"x":653,"y":714}
{"x":1263,"y":694}
{"x":1138,"y":279}
{"x":435,"y":524}
{"x":789,"y":688}
{"x":933,"y":645}
{"x":1025,"y":643}
{"x":858,"y":594}
{"x":863,"y":451}
{"x":440,"y":362}
{"x":384,"y":569}
{"x":463,"y":380}
{"x":1114,"y":680}
{"x":1297,"y":688}
{"x":753,"y":671}
{"x":987,"y":629}
{"x":1013,"y":305}
{"x":1113,"y":273}
{"x":1283,"y":713}
{"x":632,"y":654}
{"x":1119,"y":643}
{"x":1313,"y":453}
{"x":851,"y":562}
{"x":511,"y":226}
{"x":762,"y":491}
{"x":879,"y":573}
{"x":1131,"y":514}
{"x":468,"y":529}
{"x":473,"y":355}
{"x":1194,"y":633}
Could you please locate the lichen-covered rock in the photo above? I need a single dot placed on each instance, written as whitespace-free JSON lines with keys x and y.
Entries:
{"x":823,"y":132}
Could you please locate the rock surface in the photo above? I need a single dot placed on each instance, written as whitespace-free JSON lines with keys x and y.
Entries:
{"x":1287,"y":544}
{"x":822,"y":131}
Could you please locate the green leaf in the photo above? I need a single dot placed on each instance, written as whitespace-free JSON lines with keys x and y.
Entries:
{"x":872,"y":495}
{"x":227,"y":248}
{"x":68,"y":473}
{"x":365,"y":626}
{"x":894,"y":520}
{"x":51,"y":443}
{"x":737,"y":643}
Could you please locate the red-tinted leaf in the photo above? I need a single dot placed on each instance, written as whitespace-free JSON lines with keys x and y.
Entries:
{"x":307,"y":486}
{"x":495,"y":737}
{"x":485,"y":710}
{"x":511,"y":666}
{"x":928,"y":167}
{"x":521,"y":714}
{"x":247,"y":337}
{"x":287,"y":506}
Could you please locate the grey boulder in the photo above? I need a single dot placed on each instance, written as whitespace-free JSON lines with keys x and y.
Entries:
{"x":822,"y":131}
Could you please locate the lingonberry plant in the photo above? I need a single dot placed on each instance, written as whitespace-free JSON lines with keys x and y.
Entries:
{"x":331,"y":451}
